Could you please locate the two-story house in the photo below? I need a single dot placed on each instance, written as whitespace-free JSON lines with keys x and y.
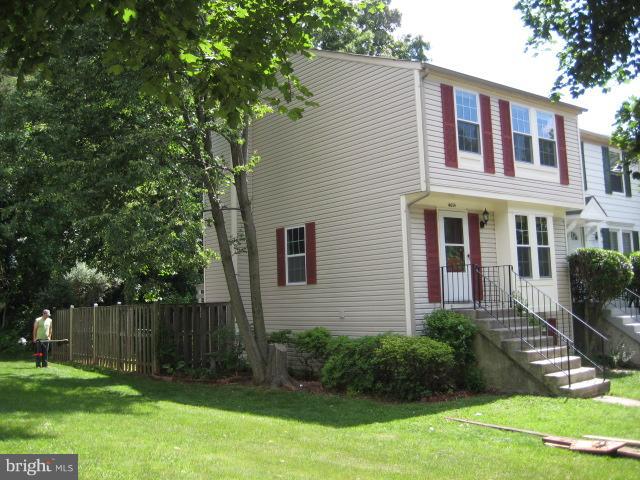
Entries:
{"x":610,"y":217}
{"x":378,"y":206}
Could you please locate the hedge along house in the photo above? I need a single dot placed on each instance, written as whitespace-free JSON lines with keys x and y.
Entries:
{"x":610,"y":217}
{"x":383,"y":202}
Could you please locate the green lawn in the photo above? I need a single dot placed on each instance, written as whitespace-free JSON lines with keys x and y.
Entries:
{"x":625,"y":383}
{"x":127,"y":427}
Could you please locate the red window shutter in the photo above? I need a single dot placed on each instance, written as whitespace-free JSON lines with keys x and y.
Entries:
{"x":475,"y":255}
{"x":310,"y":245}
{"x":487,"y":134}
{"x":282,"y":276}
{"x":449,"y":126}
{"x":433,"y":258}
{"x":563,"y":164}
{"x":507,"y":143}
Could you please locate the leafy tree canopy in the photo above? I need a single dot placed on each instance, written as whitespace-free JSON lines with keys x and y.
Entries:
{"x":371,"y":32}
{"x":600,"y":44}
{"x":600,"y":39}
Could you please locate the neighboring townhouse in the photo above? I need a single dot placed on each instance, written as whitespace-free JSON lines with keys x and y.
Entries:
{"x":404,"y":168}
{"x":610,"y":217}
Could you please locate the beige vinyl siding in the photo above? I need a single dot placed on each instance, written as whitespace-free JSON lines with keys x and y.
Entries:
{"x":562,"y":267}
{"x":343,"y":166}
{"x":497,"y":185}
{"x":619,"y":208}
{"x":419,"y":260}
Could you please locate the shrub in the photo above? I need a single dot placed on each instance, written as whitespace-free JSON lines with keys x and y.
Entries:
{"x":312,"y":346}
{"x":457,"y":331}
{"x":412,"y":367}
{"x":598,"y":276}
{"x":350,"y":367}
{"x":634,"y":258}
{"x":391,"y":366}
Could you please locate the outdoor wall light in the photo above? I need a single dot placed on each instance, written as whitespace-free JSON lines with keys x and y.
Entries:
{"x":485,"y":218}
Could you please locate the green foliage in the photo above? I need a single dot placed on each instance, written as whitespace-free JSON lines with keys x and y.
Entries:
{"x":312,"y":346}
{"x":598,"y":275}
{"x":600,"y":40}
{"x":627,"y":132}
{"x":457,"y":331}
{"x":371,"y":32}
{"x":391,"y":366}
{"x":9,"y":345}
{"x":600,"y":44}
{"x":226,"y":358}
{"x":634,"y":258}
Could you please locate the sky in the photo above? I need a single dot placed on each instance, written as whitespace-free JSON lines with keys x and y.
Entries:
{"x":487,"y":39}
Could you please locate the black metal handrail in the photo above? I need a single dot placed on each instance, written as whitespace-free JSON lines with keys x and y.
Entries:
{"x":553,"y":305}
{"x":521,"y":307}
{"x":532,"y":330}
{"x":628,"y":302}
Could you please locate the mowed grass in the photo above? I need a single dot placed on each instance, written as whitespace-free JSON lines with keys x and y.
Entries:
{"x":128,"y":427}
{"x":625,"y":383}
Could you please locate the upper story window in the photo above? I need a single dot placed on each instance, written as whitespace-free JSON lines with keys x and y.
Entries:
{"x":616,"y":174}
{"x":535,"y":146}
{"x":296,"y":256}
{"x":468,"y":121}
{"x":547,"y":139}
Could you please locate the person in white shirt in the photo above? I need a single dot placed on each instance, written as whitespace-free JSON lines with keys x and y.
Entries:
{"x":42,"y":331}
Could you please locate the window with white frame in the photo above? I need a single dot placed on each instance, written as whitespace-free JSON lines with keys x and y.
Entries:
{"x":617,"y":181}
{"x":533,"y":251}
{"x":535,"y":146}
{"x":544,"y":250}
{"x":296,"y":256}
{"x":468,"y":121}
{"x":523,"y":246}
{"x":627,"y":245}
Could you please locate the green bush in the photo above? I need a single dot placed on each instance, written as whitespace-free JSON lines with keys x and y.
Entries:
{"x":392,"y":366}
{"x":598,"y":276}
{"x":457,"y":331}
{"x":634,"y":258}
{"x":412,"y":367}
{"x":313,"y":348}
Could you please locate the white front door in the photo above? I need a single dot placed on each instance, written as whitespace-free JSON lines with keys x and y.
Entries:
{"x":454,"y":255}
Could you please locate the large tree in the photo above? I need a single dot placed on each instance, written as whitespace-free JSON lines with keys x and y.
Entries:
{"x":371,"y":32}
{"x":600,"y":45}
{"x":91,"y":169}
{"x":211,"y":62}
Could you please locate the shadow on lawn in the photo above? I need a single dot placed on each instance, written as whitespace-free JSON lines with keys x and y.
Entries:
{"x":62,"y":394}
{"x":611,"y":374}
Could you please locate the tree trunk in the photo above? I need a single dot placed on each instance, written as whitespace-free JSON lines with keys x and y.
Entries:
{"x":277,"y":373}
{"x":239,"y":158}
{"x":257,"y":361}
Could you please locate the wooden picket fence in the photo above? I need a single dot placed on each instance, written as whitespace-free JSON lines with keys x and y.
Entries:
{"x":127,"y":337}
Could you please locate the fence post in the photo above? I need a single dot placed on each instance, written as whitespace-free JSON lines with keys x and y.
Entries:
{"x":95,"y":357}
{"x":119,"y":366}
{"x":71,"y":333}
{"x":155,"y":325}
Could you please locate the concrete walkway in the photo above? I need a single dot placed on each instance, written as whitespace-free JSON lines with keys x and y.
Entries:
{"x":626,"y":402}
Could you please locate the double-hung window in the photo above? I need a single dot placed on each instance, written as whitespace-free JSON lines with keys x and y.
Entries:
{"x":617,"y":181}
{"x":467,"y":115}
{"x":522,"y":138}
{"x":296,"y":256}
{"x":534,"y":136}
{"x":523,"y":246}
{"x":533,"y":247}
{"x":547,"y":139}
{"x":544,"y":250}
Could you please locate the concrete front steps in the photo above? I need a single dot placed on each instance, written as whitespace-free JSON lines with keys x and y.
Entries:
{"x":543,"y":367}
{"x":626,"y":323}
